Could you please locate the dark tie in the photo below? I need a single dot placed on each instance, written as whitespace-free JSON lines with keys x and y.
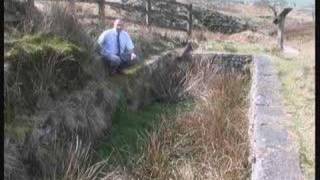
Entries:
{"x":118,"y":42}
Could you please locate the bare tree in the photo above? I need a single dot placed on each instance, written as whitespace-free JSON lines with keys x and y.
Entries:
{"x":279,"y":18}
{"x":279,"y":21}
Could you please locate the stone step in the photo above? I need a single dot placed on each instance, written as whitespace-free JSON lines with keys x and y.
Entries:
{"x":150,"y":61}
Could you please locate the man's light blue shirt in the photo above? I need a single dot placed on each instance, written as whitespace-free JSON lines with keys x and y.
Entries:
{"x":108,"y":42}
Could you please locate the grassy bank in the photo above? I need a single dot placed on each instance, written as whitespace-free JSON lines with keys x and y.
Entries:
{"x":58,"y":94}
{"x":298,"y":86}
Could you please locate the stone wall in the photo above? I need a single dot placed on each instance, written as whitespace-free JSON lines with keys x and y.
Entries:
{"x":219,"y":22}
{"x":228,"y":62}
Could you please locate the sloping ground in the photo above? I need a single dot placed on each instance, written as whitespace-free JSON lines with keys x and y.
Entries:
{"x":70,"y":112}
{"x":57,"y":93}
{"x":50,"y":97}
{"x":38,"y":137}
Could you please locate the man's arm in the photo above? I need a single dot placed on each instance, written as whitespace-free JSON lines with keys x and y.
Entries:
{"x":129,"y":43}
{"x":101,"y":39}
{"x":130,"y":46}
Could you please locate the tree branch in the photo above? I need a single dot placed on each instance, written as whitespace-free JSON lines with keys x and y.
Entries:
{"x":274,"y":10}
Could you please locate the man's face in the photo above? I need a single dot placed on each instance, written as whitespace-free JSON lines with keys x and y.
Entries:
{"x":119,"y":25}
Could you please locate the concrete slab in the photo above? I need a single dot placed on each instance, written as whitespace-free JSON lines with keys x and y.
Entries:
{"x":274,"y":154}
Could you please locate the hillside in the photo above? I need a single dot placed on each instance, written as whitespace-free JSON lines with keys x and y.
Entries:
{"x":171,"y":116}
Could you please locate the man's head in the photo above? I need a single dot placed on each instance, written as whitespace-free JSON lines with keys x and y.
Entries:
{"x":118,"y":24}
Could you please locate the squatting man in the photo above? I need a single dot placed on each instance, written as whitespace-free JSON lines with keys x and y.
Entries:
{"x":116,"y":48}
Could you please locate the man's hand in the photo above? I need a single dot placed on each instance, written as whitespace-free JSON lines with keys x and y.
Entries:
{"x":133,"y":56}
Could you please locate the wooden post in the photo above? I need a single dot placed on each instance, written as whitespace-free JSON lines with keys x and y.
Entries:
{"x":101,"y":9}
{"x":148,"y":10}
{"x":190,"y":20}
{"x":30,"y":3}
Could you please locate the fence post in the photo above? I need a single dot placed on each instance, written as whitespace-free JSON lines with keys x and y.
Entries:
{"x":72,"y":6}
{"x":190,"y":20}
{"x":148,"y":10}
{"x":30,"y":3}
{"x":101,"y":9}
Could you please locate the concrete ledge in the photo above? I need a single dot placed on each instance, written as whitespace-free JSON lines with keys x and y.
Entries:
{"x":151,"y":62}
{"x":274,"y":155}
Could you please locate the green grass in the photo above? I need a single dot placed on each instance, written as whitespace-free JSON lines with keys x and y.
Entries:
{"x":298,"y":87}
{"x":129,"y":128}
{"x":234,"y":47}
{"x":35,"y":46}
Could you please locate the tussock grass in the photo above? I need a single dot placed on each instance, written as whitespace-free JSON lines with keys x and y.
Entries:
{"x":49,"y":99}
{"x":208,"y":141}
{"x":169,"y":80}
{"x":58,"y":20}
{"x":13,"y":167}
{"x":79,"y":165}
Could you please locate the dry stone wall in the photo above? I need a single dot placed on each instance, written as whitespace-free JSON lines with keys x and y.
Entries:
{"x":228,"y":62}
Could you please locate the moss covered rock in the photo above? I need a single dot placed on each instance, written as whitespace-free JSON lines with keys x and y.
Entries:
{"x":40,"y":45}
{"x":43,"y":65}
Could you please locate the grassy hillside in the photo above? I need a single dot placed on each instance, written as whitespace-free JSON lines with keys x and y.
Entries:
{"x":66,"y":118}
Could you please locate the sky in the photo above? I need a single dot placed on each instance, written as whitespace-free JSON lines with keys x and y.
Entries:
{"x":300,"y":3}
{"x":304,"y":2}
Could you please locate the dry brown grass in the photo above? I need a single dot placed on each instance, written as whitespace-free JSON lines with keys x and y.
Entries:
{"x":58,"y":20}
{"x":208,"y":142}
{"x":168,"y":80}
{"x":78,"y":164}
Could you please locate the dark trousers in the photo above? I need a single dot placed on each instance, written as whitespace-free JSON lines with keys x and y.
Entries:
{"x":119,"y":62}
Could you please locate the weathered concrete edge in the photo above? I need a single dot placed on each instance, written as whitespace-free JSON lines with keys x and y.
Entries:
{"x":273,"y":153}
